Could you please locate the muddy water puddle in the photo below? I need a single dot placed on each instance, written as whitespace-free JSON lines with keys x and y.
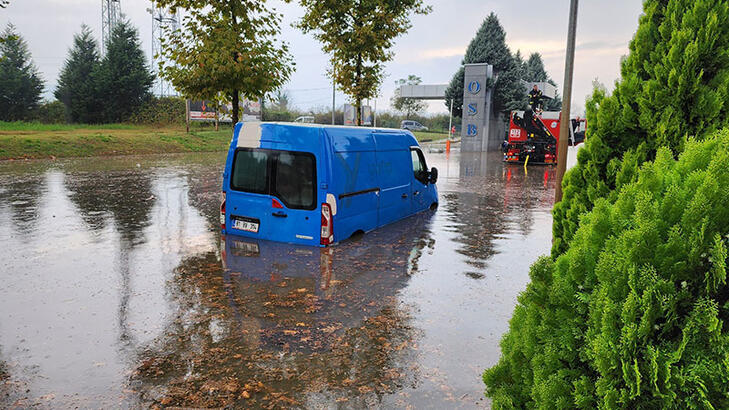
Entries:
{"x":118,"y":291}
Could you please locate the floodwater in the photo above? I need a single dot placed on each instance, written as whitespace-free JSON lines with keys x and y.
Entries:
{"x":117,"y":290}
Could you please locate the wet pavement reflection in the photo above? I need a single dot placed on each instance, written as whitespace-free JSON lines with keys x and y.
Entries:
{"x":118,"y":291}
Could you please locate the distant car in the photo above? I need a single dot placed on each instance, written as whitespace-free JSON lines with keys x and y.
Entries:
{"x":305,"y":119}
{"x":413,"y":126}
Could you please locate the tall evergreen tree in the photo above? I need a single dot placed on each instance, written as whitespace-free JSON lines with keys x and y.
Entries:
{"x":520,"y":65}
{"x":674,"y":85}
{"x":535,"y":68}
{"x":124,"y":79}
{"x":20,"y":82}
{"x":76,"y":84}
{"x":489,"y":46}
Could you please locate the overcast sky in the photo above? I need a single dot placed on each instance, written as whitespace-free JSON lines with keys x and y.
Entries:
{"x":432,"y":49}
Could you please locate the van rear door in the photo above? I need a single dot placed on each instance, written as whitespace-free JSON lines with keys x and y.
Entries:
{"x":273,"y":196}
{"x":248,"y":200}
{"x":293,"y":184}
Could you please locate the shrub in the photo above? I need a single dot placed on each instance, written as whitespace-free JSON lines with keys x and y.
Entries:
{"x":632,"y":314}
{"x":53,"y":112}
{"x":674,"y":84}
{"x":160,"y":110}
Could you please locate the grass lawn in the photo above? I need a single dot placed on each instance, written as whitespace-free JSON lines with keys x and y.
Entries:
{"x":429,"y":136}
{"x":32,"y":140}
{"x":20,"y":140}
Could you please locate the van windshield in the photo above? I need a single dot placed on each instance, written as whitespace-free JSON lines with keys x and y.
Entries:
{"x":289,"y":176}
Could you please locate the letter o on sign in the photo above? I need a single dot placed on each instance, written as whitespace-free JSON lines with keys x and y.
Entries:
{"x":474,"y":87}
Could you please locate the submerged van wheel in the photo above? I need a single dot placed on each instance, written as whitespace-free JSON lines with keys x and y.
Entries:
{"x":356,"y":235}
{"x":433,"y":206}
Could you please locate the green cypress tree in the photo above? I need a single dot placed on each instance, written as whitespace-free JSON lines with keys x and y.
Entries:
{"x":123,"y":80}
{"x":535,"y":68}
{"x":521,"y":65}
{"x":674,"y":84}
{"x":633,"y":315}
{"x":20,"y":82}
{"x":76,"y":87}
{"x":489,"y":46}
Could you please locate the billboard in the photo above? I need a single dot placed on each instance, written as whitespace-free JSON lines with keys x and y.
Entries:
{"x":205,"y":111}
{"x":351,"y":119}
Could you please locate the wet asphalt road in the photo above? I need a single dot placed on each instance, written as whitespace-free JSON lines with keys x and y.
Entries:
{"x":118,"y":291}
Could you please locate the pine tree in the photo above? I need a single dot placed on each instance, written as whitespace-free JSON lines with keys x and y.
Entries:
{"x":20,"y":82}
{"x":520,"y":65}
{"x":535,"y":68}
{"x":123,"y":80}
{"x":674,"y":85}
{"x":489,"y":46}
{"x":76,"y":84}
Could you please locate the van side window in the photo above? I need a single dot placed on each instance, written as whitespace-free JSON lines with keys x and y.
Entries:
{"x":295,"y":180}
{"x":419,"y":167}
{"x":250,"y":171}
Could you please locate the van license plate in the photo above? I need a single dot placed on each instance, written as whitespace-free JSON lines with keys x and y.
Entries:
{"x":246,"y":225}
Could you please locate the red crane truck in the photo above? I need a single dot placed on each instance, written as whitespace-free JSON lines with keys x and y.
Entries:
{"x":533,"y":136}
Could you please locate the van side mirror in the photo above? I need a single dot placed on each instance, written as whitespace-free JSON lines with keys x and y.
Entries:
{"x":433,"y":175}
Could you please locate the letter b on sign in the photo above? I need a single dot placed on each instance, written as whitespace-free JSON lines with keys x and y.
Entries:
{"x":471,"y":130}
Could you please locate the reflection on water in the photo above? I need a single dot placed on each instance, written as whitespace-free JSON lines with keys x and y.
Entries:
{"x":274,"y":324}
{"x":119,"y":291}
{"x":22,"y":197}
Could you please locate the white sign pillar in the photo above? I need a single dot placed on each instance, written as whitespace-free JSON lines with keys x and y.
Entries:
{"x":476,"y":118}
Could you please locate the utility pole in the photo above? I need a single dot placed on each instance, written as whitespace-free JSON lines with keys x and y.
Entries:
{"x":374,"y":114}
{"x":564,"y":118}
{"x":334,"y":91}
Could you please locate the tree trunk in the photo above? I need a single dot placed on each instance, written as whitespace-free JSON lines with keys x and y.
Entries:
{"x":234,"y":114}
{"x":358,"y":100}
{"x":358,"y":108}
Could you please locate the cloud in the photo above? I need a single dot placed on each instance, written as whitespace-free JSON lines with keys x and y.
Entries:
{"x":421,"y":55}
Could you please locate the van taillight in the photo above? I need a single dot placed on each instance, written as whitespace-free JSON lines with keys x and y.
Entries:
{"x":327,"y":227}
{"x":222,"y":212}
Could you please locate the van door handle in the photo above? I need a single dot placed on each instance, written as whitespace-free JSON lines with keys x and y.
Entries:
{"x":280,"y":214}
{"x":416,"y":193}
{"x":403,"y":196}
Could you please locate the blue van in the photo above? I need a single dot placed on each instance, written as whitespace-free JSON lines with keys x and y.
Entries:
{"x":316,"y":184}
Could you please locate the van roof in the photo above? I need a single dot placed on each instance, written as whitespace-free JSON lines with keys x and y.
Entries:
{"x":279,"y":135}
{"x":251,"y":135}
{"x":326,"y":126}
